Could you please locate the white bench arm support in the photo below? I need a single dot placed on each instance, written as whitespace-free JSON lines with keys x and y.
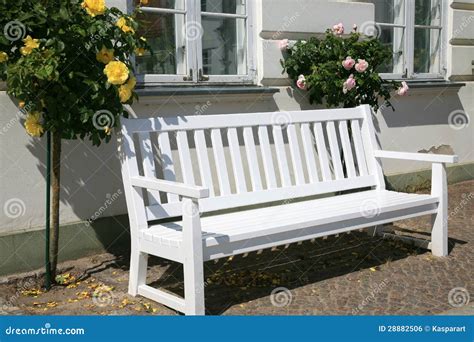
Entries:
{"x":423,"y":157}
{"x":189,"y":191}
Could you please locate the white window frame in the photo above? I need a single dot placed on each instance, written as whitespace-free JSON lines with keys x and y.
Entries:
{"x":409,"y":44}
{"x":194,"y":60}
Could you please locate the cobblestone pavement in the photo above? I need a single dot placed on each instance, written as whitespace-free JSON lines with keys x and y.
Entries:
{"x":349,"y":274}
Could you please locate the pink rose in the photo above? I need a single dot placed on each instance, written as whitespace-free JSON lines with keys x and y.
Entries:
{"x":349,"y":63}
{"x":283,"y":44}
{"x":349,"y":84}
{"x":338,"y":29}
{"x":301,"y":83}
{"x":403,"y":90}
{"x":361,"y":65}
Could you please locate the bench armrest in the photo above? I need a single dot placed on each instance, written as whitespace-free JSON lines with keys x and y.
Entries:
{"x":190,"y":191}
{"x":427,"y":157}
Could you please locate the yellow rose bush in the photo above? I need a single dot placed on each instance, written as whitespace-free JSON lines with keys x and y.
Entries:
{"x":73,"y":59}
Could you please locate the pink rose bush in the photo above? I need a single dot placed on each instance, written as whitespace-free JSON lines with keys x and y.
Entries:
{"x":348,"y":63}
{"x":338,"y":29}
{"x":301,"y":82}
{"x":349,"y":84}
{"x":361,"y":65}
{"x":284,"y":44}
{"x":403,"y":90}
{"x":340,"y":70}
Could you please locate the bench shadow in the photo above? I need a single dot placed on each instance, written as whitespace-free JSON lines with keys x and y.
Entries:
{"x":243,"y":278}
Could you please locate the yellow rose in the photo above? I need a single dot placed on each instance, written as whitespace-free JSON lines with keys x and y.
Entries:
{"x":94,"y":7}
{"x":143,"y":2}
{"x":33,"y":124}
{"x":122,"y":23}
{"x":30,"y":45}
{"x":105,"y":55}
{"x":108,"y":130}
{"x":140,"y":51}
{"x":21,"y":104}
{"x":117,"y":72}
{"x":132,"y":82}
{"x":3,"y":57}
{"x":125,"y":93}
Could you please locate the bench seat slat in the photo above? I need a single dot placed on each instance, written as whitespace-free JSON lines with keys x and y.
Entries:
{"x":227,"y":228}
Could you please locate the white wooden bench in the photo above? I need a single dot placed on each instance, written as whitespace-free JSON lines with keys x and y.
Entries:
{"x":183,"y":167}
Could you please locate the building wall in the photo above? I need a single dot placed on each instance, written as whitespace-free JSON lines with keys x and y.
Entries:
{"x":91,"y":176}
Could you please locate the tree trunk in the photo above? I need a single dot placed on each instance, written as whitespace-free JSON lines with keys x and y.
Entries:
{"x":56,"y":187}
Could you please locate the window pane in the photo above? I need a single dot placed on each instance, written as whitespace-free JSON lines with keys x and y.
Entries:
{"x":223,"y":6}
{"x":428,"y":12}
{"x":224,"y":46}
{"x":389,"y":11}
{"x":393,"y":38}
{"x":170,"y":4}
{"x":427,"y":50}
{"x":164,"y":33}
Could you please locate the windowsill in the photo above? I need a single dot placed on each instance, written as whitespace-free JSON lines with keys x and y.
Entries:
{"x":431,"y":83}
{"x":204,"y":90}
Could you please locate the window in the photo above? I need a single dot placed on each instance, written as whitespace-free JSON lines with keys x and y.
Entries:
{"x":197,"y":41}
{"x":414,"y":31}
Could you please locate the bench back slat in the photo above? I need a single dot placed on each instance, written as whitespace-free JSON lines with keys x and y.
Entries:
{"x":347,"y":149}
{"x":251,"y":151}
{"x":167,"y":162}
{"x":249,"y":159}
{"x":149,"y":170}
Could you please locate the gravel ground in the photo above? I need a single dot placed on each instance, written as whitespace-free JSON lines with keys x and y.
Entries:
{"x":349,"y":274}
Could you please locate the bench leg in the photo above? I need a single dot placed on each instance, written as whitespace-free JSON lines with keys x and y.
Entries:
{"x":439,"y":233}
{"x":193,"y":259}
{"x":138,"y":267}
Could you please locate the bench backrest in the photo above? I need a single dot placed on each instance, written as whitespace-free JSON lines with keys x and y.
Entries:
{"x":249,"y":159}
